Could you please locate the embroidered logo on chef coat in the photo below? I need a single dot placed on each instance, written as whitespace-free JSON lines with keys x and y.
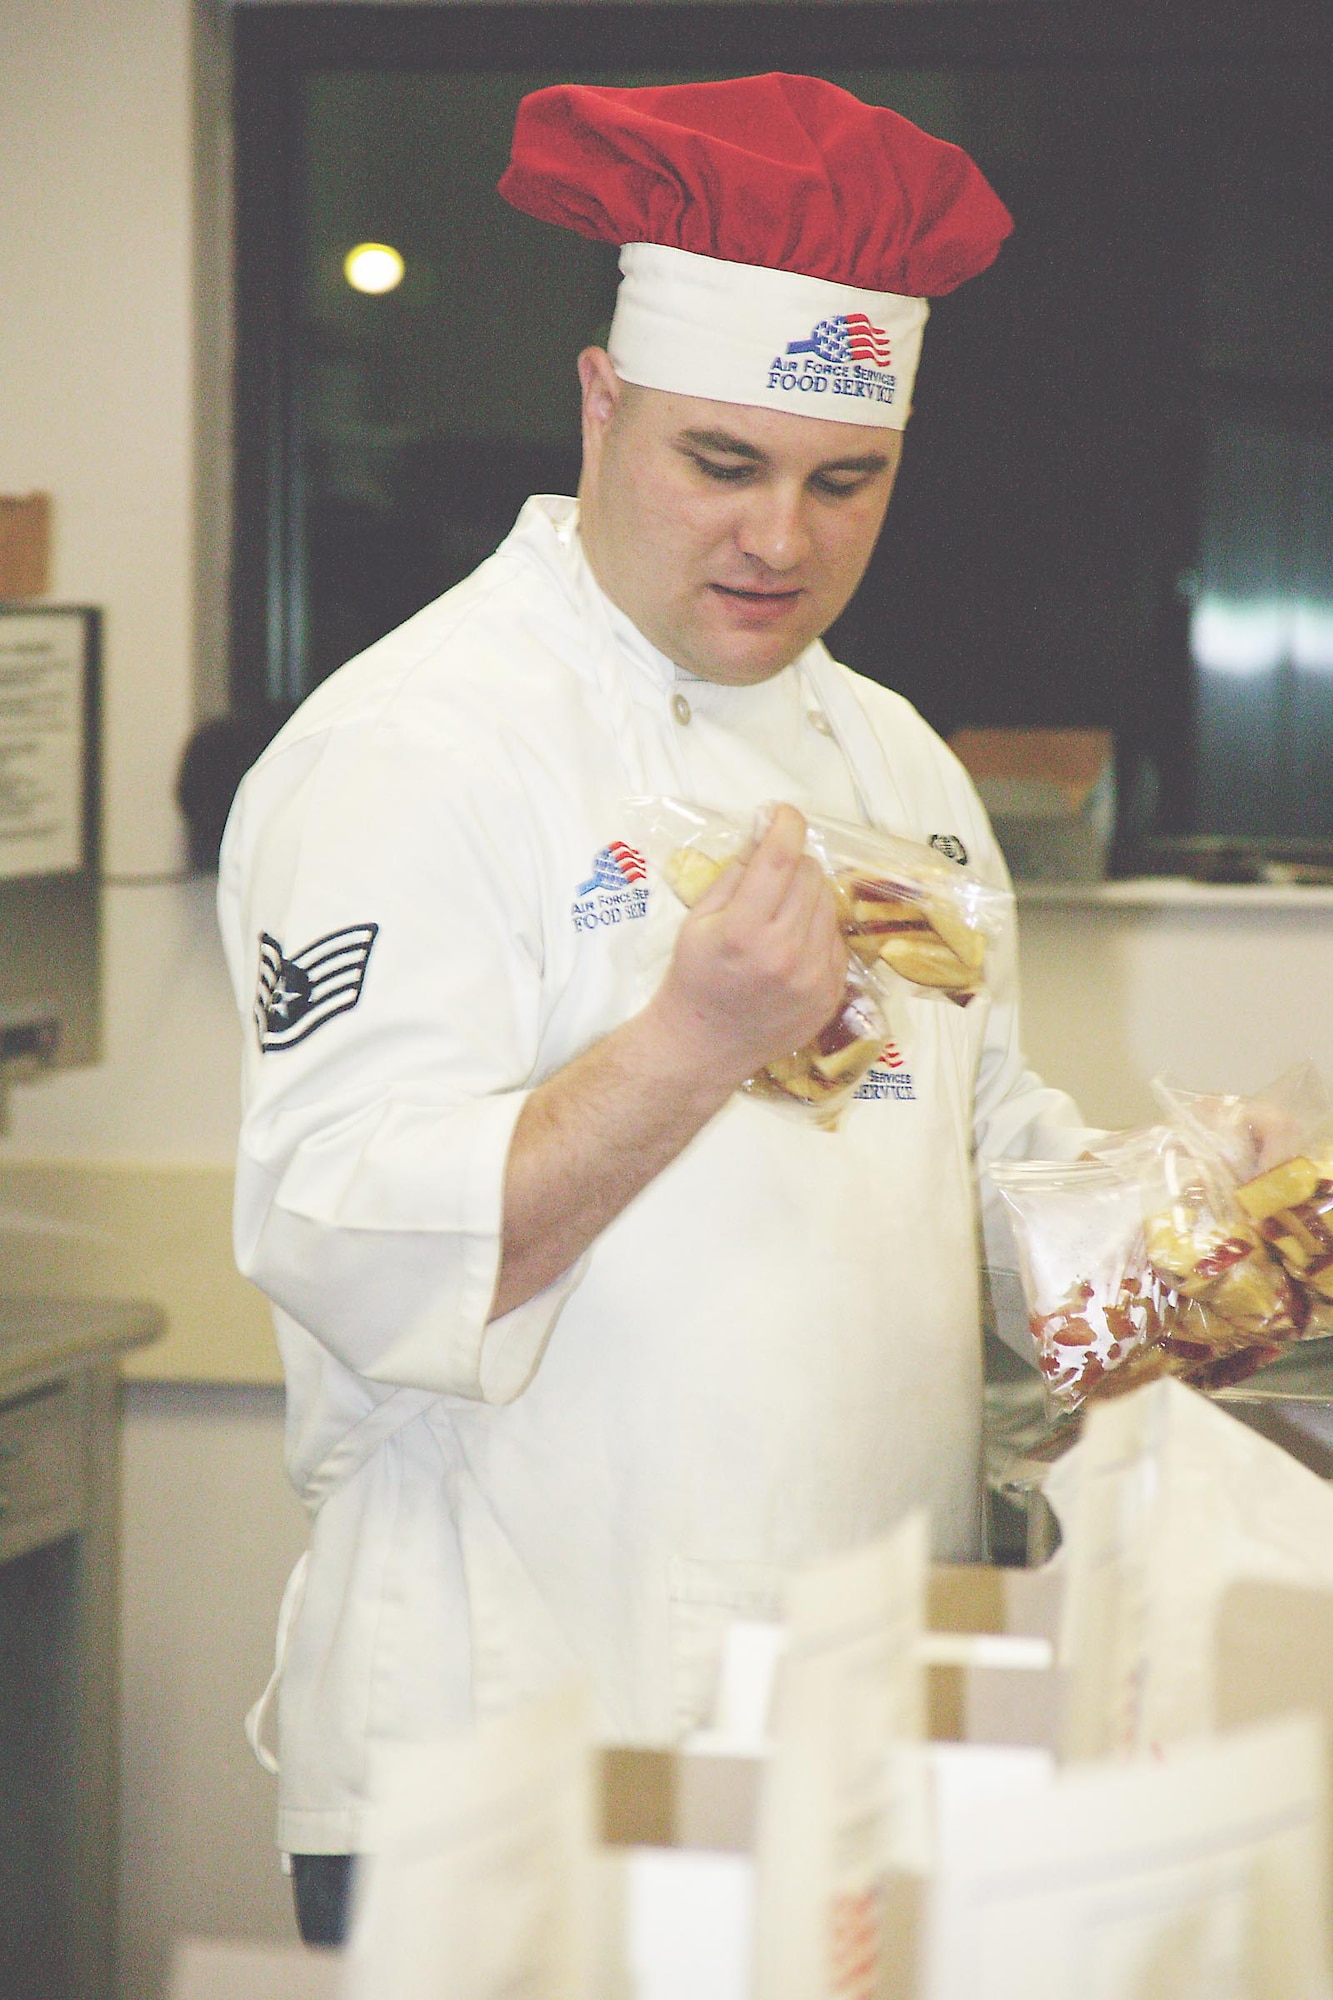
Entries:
{"x":299,"y":994}
{"x":617,"y":890}
{"x":950,"y":846}
{"x":888,"y":1076}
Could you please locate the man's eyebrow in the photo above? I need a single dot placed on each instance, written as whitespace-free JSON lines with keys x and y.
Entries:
{"x":735,"y":447}
{"x":870,"y":461}
{"x":739,"y":447}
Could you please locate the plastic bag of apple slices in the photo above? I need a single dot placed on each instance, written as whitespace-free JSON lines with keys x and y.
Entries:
{"x":1103,"y":1317}
{"x":1202,"y":1244}
{"x":1096,"y":1308}
{"x":904,"y":909}
{"x":1277,"y":1149}
{"x":691,"y":845}
{"x":821,"y":1078}
{"x":1250,"y":1134}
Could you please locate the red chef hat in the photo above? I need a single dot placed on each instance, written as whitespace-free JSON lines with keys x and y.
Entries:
{"x":778,"y":236}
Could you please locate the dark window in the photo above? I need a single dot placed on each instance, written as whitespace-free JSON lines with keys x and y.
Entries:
{"x":1117,"y":491}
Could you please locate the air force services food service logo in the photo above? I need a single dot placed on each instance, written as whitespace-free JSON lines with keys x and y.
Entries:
{"x":617,"y":890}
{"x":888,"y":1076}
{"x":299,"y":994}
{"x":845,"y":356}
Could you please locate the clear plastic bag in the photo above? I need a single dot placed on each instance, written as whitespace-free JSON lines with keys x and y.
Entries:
{"x":1249,"y":1134}
{"x":824,"y":1075}
{"x":820,"y":1079}
{"x":1201,"y":1242}
{"x":1104,"y":1317}
{"x":1095,"y":1306}
{"x":907,"y":914}
{"x":906,"y":911}
{"x":1275,"y":1150}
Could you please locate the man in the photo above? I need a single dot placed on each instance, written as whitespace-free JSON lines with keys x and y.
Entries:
{"x":584,"y":1350}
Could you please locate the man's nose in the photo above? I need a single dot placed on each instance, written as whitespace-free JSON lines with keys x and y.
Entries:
{"x":773,"y":527}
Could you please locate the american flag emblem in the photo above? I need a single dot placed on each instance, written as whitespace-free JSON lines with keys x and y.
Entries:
{"x":299,"y":994}
{"x":889,"y":1057}
{"x":616,"y":865}
{"x":848,"y":337}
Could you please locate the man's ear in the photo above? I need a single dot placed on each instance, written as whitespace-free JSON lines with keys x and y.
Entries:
{"x":601,"y":388}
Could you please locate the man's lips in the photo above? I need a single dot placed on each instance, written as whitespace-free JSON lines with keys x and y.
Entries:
{"x":757,"y":604}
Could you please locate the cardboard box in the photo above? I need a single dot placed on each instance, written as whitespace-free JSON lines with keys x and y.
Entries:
{"x":1051,"y":797}
{"x":995,"y":1696}
{"x":25,"y":545}
{"x":1275,"y":1654}
{"x":667,"y":1798}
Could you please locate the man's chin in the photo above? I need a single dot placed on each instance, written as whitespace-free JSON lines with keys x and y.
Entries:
{"x":742,"y":658}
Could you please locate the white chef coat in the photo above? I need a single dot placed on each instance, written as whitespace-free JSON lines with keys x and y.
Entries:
{"x":768,"y":1357}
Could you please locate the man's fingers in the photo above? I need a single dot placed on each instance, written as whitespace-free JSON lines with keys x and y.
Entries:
{"x":720,"y":891}
{"x":768,"y":874}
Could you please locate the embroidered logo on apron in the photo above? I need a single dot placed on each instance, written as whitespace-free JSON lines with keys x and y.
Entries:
{"x":888,"y":1076}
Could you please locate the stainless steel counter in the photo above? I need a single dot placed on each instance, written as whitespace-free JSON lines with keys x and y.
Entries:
{"x":37,"y":1335}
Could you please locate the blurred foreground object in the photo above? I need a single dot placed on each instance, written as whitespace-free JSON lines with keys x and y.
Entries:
{"x":214,"y":1969}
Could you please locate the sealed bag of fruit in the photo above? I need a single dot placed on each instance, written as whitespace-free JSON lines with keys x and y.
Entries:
{"x":1097,"y":1309}
{"x":1135,"y":1264}
{"x":1202,"y":1244}
{"x":1276,"y":1151}
{"x":908,"y":914}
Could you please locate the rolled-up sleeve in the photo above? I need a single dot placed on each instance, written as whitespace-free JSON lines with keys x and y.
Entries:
{"x":370,"y":1176}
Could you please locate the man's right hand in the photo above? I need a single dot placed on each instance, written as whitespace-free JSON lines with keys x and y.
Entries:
{"x":759,"y":967}
{"x":760,"y":964}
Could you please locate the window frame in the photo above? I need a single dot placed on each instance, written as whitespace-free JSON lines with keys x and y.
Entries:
{"x":277,"y":45}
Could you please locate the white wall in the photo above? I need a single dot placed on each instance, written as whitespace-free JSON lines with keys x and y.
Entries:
{"x":95,"y":391}
{"x":1224,"y":994}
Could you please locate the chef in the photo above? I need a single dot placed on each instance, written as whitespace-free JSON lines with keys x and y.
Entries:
{"x":585,"y":1350}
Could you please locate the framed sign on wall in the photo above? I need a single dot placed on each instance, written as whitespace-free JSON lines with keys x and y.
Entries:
{"x":50,"y":872}
{"x":48,"y":660}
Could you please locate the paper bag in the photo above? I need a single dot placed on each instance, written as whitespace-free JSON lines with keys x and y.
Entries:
{"x":479,"y":1882}
{"x":850,"y":1686}
{"x":1198,"y":1878}
{"x":1164,"y":1503}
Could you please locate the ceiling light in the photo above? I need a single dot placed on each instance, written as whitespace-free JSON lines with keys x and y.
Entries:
{"x":373,"y":267}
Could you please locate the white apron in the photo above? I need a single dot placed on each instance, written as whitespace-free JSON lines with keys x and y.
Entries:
{"x":769,"y":1356}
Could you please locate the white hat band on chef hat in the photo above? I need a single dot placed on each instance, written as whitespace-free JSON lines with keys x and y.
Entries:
{"x":743,"y":333}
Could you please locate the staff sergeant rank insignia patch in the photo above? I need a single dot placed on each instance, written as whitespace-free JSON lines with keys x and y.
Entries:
{"x":299,"y":994}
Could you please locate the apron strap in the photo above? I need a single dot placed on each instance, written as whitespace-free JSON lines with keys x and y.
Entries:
{"x":353,"y":1450}
{"x":877,"y":794}
{"x":357,"y":1446}
{"x":257,"y":1719}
